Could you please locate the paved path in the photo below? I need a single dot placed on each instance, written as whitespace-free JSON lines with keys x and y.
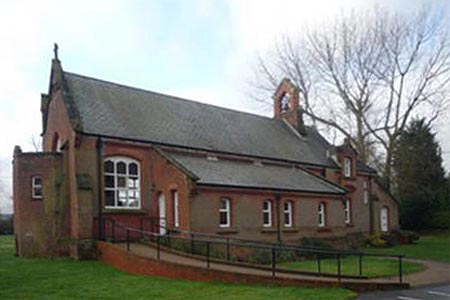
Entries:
{"x":435,"y":273}
{"x":440,"y":292}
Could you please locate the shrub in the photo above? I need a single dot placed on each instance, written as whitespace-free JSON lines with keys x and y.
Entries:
{"x":375,"y":240}
{"x":315,"y":243}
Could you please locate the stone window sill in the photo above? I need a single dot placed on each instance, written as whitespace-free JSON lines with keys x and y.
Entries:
{"x":124,"y":211}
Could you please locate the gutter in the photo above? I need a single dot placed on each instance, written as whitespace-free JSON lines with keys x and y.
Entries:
{"x":203,"y":149}
{"x":199,"y":184}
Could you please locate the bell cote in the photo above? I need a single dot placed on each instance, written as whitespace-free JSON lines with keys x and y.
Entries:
{"x":287,"y":105}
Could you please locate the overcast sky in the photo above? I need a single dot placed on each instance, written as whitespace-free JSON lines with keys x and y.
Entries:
{"x":197,"y":49}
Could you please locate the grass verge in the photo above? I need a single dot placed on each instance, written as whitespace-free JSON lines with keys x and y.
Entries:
{"x":58,"y":279}
{"x":371,"y":266}
{"x":431,"y":246}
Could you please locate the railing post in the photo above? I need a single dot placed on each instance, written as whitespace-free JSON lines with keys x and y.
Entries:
{"x":339,"y":266}
{"x":158,"y":247}
{"x":274,"y":260}
{"x":169,"y":243}
{"x":207,"y":255}
{"x":400,"y":270}
{"x":192,"y":243}
{"x":113,"y":230}
{"x":360,"y":265}
{"x":228,"y":250}
{"x":128,"y":240}
{"x":318,"y":265}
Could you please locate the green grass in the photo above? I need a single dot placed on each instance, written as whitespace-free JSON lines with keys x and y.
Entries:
{"x":431,"y":246}
{"x":372,"y":267}
{"x":48,"y":279}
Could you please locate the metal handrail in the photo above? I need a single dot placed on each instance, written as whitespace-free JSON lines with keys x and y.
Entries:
{"x":273,"y":247}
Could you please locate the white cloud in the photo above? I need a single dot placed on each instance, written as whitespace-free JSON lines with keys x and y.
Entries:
{"x":115,"y":40}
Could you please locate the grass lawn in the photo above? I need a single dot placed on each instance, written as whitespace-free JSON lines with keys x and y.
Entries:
{"x":372,"y":266}
{"x":432,"y":246}
{"x":59,"y":279}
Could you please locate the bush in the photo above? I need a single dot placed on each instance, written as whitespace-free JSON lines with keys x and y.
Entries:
{"x":6,"y":224}
{"x":264,"y":256}
{"x":441,"y":219}
{"x":315,"y":243}
{"x":375,"y":240}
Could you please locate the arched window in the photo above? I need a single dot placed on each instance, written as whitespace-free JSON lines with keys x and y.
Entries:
{"x":366,"y":192}
{"x":122,"y":183}
{"x":347,"y":167}
{"x":285,"y":103}
{"x":225,"y":213}
{"x":321,"y":212}
{"x":267,"y":213}
{"x":347,"y":211}
{"x":384,"y":219}
{"x":288,"y":214}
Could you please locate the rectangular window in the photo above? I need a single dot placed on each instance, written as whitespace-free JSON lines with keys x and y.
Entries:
{"x":347,"y":210}
{"x":288,"y":214}
{"x":321,"y":215}
{"x":36,"y":187}
{"x":267,"y":213}
{"x":347,"y":167}
{"x":176,"y":216}
{"x":366,"y":192}
{"x":225,"y":213}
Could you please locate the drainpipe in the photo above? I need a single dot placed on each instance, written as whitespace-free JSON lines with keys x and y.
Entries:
{"x":99,"y":188}
{"x":369,"y":188}
{"x":277,"y":200}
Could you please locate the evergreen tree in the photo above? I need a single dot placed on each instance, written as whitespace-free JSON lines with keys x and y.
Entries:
{"x":420,"y":183}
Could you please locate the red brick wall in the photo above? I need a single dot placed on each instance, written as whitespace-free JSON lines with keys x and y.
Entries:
{"x":39,"y":224}
{"x":247,"y":216}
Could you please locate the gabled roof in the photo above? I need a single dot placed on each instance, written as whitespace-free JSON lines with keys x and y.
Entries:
{"x":114,"y":110}
{"x":246,"y":174}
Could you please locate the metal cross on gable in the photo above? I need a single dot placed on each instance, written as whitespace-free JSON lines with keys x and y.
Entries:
{"x":55,"y":50}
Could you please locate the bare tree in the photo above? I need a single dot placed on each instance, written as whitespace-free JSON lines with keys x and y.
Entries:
{"x":36,"y":143}
{"x":366,"y":75}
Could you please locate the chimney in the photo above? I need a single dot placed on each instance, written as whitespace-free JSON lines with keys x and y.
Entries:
{"x":287,"y":105}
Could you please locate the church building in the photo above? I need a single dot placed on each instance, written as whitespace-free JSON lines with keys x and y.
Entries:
{"x":112,"y":151}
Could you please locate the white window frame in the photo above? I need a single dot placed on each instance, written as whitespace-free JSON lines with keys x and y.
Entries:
{"x":227,"y":211}
{"x":35,"y":186}
{"x":267,"y":211}
{"x":321,"y":222}
{"x":176,"y":212}
{"x":366,"y":192}
{"x":347,"y":167}
{"x":347,"y":211}
{"x":288,"y":213}
{"x":116,"y":189}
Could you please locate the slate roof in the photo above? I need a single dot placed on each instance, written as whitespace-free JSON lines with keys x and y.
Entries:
{"x":114,"y":110}
{"x":232,"y":173}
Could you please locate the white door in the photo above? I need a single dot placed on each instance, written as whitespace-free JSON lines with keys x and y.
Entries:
{"x":384,"y":219}
{"x":162,"y":214}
